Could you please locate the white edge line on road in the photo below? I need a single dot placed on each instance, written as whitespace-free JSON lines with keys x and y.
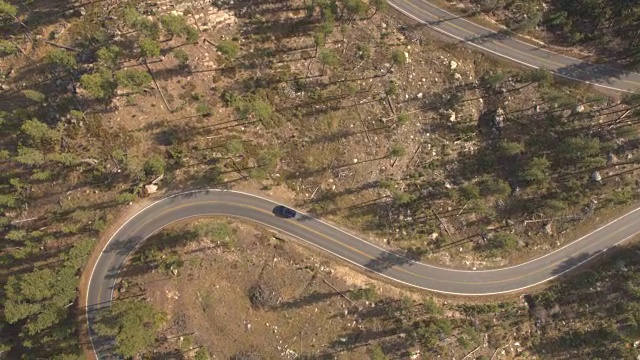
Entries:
{"x":362,"y":266}
{"x":98,"y":260}
{"x":499,"y":54}
{"x":343,"y":258}
{"x":514,"y":38}
{"x":429,"y":265}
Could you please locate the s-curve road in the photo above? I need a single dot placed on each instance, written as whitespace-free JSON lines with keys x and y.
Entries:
{"x":507,"y":47}
{"x":340,"y":244}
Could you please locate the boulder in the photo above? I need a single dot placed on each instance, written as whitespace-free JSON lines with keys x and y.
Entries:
{"x":498,"y":120}
{"x":451,"y":115}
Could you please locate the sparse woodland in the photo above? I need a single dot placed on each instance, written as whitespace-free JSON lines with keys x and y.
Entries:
{"x":356,"y":115}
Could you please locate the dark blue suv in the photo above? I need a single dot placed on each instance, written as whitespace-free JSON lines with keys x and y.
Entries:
{"x":284,"y":212}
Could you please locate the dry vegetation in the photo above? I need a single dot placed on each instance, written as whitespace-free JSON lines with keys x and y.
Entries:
{"x":352,"y":113}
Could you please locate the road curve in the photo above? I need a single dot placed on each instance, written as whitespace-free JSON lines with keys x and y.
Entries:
{"x":350,"y":248}
{"x":505,"y":46}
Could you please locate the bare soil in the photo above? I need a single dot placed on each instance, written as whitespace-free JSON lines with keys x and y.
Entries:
{"x":209,"y":297}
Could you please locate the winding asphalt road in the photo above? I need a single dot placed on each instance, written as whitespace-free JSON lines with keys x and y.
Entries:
{"x":505,"y":46}
{"x":357,"y":251}
{"x":339,"y":243}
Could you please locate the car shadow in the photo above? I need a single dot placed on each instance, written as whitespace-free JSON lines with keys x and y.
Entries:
{"x":279,"y":211}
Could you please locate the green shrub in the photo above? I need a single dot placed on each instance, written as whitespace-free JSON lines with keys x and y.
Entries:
{"x":40,"y":135}
{"x":403,"y":198}
{"x":66,"y":159}
{"x":368,"y":293}
{"x":173,"y":24}
{"x":29,"y":156}
{"x":18,"y":235}
{"x":41,"y":175}
{"x":61,"y":59}
{"x":8,"y":201}
{"x":7,"y":12}
{"x":99,"y":85}
{"x":201,"y":354}
{"x":34,"y":95}
{"x":7,"y":48}
{"x":234,"y":147}
{"x":328,"y":58}
{"x":109,"y":56}
{"x":216,"y":231}
{"x":397,"y":150}
{"x":403,"y":119}
{"x":431,"y":307}
{"x":203,"y":109}
{"x":133,"y":79}
{"x":181,"y":56}
{"x":214,"y":175}
{"x":470,"y":192}
{"x":494,"y":187}
{"x":622,"y":196}
{"x":228,"y":48}
{"x":149,"y":48}
{"x":502,"y":243}
{"x":154,"y":166}
{"x":99,"y":224}
{"x":125,"y":198}
{"x":509,"y":148}
{"x":376,"y":353}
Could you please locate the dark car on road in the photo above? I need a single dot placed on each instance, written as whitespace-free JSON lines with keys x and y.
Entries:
{"x":284,"y":212}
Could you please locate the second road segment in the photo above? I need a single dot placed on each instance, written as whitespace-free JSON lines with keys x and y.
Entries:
{"x":505,"y":46}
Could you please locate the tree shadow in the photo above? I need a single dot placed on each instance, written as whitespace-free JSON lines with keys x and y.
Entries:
{"x":587,"y":343}
{"x":500,"y":35}
{"x":574,"y":261}
{"x":168,"y":355}
{"x":363,"y":337}
{"x":594,"y":73}
{"x":313,"y":298}
{"x":387,"y":260}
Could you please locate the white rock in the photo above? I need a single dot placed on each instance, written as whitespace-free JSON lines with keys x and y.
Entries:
{"x":457,"y":76}
{"x":451,"y":115}
{"x":420,"y":95}
{"x":453,"y":65}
